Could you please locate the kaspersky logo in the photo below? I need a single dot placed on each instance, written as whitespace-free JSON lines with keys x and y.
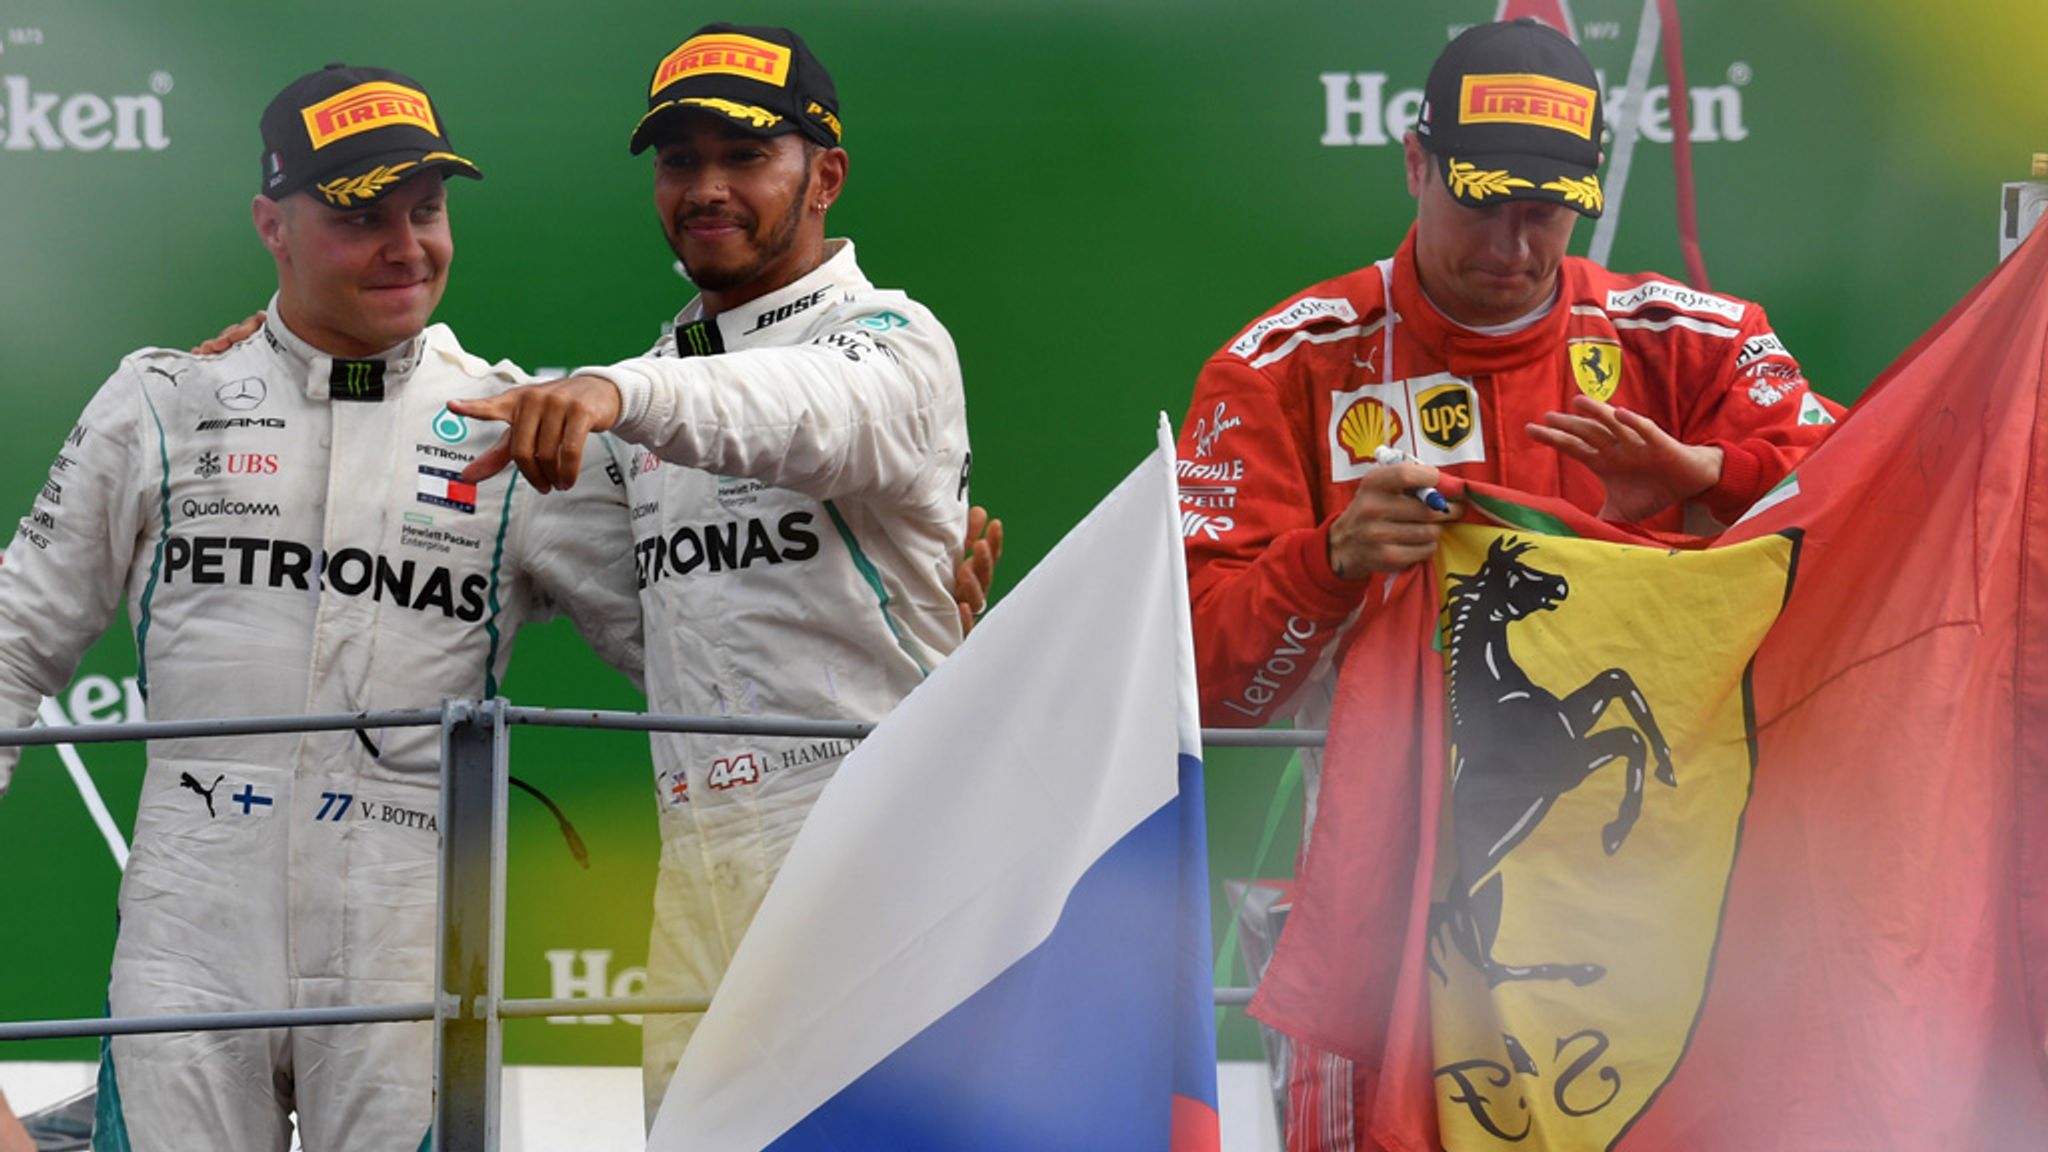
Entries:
{"x":42,"y":121}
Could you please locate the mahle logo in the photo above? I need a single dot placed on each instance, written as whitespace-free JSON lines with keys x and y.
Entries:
{"x":41,"y":121}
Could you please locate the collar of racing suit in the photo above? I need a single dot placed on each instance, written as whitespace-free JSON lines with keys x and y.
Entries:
{"x":1462,"y":351}
{"x":742,"y":325}
{"x":315,"y":368}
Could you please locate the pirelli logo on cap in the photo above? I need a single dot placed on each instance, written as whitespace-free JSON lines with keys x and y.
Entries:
{"x":728,"y":53}
{"x":825,"y":117}
{"x":365,"y":107}
{"x":1527,"y":98}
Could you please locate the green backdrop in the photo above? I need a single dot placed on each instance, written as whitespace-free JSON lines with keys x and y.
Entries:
{"x":1093,"y":196}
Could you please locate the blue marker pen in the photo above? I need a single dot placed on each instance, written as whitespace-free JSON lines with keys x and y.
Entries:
{"x":1430,"y":497}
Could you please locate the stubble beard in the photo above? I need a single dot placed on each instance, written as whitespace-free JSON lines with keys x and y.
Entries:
{"x":766,"y":251}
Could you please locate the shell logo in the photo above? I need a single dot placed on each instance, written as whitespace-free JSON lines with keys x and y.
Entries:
{"x":1365,"y":426}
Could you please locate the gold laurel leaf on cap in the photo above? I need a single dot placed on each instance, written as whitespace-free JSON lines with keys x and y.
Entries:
{"x":1469,"y":182}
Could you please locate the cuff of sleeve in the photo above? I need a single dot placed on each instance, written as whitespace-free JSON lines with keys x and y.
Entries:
{"x":638,"y":401}
{"x":1741,"y":483}
{"x":1324,"y":592}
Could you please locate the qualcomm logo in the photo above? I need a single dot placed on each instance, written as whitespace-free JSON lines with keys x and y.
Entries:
{"x":32,"y":121}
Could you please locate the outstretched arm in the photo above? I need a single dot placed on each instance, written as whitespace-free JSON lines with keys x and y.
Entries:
{"x":548,"y":426}
{"x":857,"y":411}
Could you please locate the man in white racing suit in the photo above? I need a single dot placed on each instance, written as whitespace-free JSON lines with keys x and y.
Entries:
{"x":799,"y":496}
{"x":289,"y":526}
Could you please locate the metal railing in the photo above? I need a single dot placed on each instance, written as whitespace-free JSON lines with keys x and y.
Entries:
{"x":469,"y":1004}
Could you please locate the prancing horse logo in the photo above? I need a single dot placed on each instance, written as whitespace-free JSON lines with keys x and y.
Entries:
{"x":1592,"y":365}
{"x":1517,"y":748}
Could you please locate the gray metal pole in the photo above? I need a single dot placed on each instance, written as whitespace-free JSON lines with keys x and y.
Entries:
{"x":468,"y":1039}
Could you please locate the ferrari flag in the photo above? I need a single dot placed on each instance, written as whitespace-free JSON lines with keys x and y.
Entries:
{"x":1738,"y":846}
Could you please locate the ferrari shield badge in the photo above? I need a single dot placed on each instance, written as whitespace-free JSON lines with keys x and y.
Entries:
{"x":1596,"y":365}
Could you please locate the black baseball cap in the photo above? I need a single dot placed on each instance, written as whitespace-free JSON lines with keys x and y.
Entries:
{"x":1513,"y":112}
{"x":349,"y":135}
{"x":765,"y":80}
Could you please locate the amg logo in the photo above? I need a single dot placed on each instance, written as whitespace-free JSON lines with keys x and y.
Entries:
{"x":721,"y":547}
{"x":240,"y":422}
{"x":34,"y":121}
{"x":254,"y":562}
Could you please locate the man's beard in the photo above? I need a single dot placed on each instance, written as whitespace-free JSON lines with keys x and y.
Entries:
{"x":766,"y":251}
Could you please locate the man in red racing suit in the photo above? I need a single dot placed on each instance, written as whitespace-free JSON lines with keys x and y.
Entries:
{"x":1478,"y":351}
{"x":1286,"y":418}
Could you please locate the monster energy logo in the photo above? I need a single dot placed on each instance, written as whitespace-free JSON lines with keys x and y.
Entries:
{"x":699,"y":338}
{"x":359,"y":380}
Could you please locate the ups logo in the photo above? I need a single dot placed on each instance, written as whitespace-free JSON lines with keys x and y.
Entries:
{"x":1445,"y":414}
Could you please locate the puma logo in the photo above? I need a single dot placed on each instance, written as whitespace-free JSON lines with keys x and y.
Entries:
{"x":186,"y":780}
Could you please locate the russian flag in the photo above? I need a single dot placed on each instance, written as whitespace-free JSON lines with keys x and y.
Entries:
{"x":993,"y":931}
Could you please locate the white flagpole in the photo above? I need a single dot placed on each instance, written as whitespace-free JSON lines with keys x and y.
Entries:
{"x":50,"y":715}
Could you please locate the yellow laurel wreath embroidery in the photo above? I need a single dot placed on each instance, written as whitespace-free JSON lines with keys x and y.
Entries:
{"x":1585,"y":191}
{"x":759,"y":117}
{"x":344,"y":191}
{"x":1467,"y":181}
